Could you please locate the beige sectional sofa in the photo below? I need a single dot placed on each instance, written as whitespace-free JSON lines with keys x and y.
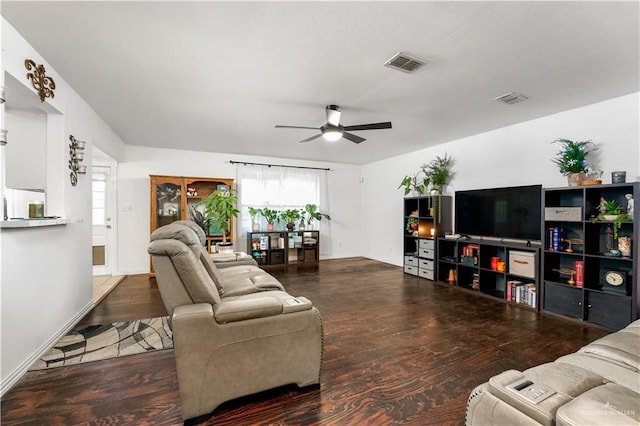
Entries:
{"x":236,"y":330}
{"x":597,"y":385}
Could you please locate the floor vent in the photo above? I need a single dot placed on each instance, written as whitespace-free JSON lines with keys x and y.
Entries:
{"x":511,"y":98}
{"x":405,"y":63}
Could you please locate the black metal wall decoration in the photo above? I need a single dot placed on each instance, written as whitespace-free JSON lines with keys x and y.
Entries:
{"x":76,"y":155}
{"x":44,"y":85}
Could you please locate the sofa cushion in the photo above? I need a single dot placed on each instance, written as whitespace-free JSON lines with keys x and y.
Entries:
{"x":192,"y":274}
{"x":622,"y":346}
{"x":609,"y":404}
{"x":609,"y":369}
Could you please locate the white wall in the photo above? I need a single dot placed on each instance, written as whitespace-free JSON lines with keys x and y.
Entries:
{"x":134,"y":198}
{"x":45,"y":272}
{"x":516,"y":155}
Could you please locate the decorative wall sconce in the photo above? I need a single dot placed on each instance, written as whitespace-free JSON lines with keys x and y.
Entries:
{"x":3,"y":137}
{"x":44,"y":85}
{"x":76,"y":154}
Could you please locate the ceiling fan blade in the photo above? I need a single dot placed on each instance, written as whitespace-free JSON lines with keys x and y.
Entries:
{"x":311,"y":138}
{"x":333,"y":115}
{"x":353,"y":138}
{"x":372,"y":126}
{"x":278,"y":126}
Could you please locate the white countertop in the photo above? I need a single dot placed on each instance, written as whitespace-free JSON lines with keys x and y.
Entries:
{"x":32,"y":223}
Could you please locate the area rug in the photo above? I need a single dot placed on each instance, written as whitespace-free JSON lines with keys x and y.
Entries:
{"x":104,"y":341}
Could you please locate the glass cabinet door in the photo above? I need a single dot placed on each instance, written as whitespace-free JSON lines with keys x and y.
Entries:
{"x":168,"y":203}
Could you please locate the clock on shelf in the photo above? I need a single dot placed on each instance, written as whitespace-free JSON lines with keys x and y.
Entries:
{"x":614,"y":280}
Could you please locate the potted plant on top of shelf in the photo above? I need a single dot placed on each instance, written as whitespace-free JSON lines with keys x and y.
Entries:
{"x":414,"y":183}
{"x":312,"y":213}
{"x":219,"y":208}
{"x":572,"y":159}
{"x":289,"y":216}
{"x":437,"y":175}
{"x":254,"y":213}
{"x":271,"y":216}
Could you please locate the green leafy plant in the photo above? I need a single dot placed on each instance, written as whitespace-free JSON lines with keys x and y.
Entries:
{"x":270,"y":215}
{"x":312,"y":213}
{"x":219,"y":208}
{"x":612,"y":207}
{"x":289,"y":216}
{"x":438,"y":172}
{"x":572,"y":156}
{"x":254,"y":213}
{"x":617,"y":224}
{"x":415,"y":182}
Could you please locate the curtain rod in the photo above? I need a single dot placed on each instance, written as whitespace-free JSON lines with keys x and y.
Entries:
{"x":246,"y":163}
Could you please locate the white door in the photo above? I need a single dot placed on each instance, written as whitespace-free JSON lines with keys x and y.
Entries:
{"x":102,"y":241}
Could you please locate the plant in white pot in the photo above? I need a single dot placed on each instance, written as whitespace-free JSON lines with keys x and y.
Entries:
{"x":255,"y":213}
{"x":219,"y":208}
{"x":312,"y":213}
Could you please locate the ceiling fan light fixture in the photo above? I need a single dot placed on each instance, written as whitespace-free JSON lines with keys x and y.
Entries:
{"x":331,"y":133}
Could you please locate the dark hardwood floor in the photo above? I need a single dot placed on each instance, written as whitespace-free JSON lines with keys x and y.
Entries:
{"x":397,"y":350}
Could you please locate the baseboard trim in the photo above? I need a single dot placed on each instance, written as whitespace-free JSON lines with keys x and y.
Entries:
{"x":20,"y":371}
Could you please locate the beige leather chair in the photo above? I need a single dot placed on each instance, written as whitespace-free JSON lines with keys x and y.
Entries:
{"x":237,"y":345}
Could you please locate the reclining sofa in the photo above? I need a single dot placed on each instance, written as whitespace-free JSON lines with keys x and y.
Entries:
{"x":597,"y":385}
{"x":236,"y":330}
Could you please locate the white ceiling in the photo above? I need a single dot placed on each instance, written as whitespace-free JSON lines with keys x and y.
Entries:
{"x":217,"y":76}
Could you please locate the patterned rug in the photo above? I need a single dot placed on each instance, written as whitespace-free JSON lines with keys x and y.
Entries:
{"x":104,"y":341}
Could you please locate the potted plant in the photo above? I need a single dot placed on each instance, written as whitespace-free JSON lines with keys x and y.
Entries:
{"x":414,"y":183}
{"x":289,"y":216}
{"x":254,"y":213}
{"x":312,"y":213}
{"x":572,"y":159}
{"x":219,"y":208}
{"x":437,"y":175}
{"x":271,"y":216}
{"x":611,"y":210}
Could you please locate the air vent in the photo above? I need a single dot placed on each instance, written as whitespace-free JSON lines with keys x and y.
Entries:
{"x":511,"y":98}
{"x":405,"y":63}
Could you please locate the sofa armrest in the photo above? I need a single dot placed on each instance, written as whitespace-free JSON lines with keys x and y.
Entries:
{"x":241,"y":310}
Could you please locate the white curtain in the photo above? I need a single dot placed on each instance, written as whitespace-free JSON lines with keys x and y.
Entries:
{"x":280,"y":188}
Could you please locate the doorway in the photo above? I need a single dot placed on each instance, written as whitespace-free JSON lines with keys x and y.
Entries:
{"x":103,"y":189}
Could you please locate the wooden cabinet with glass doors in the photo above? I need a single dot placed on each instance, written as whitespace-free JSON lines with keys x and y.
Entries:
{"x":177,"y":197}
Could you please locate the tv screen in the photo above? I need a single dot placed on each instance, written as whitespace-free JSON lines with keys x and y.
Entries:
{"x":513,"y":212}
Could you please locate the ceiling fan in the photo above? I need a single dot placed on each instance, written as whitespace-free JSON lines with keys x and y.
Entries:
{"x":333,"y":130}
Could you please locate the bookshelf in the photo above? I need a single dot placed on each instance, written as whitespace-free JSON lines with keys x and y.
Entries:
{"x":283,"y":248}
{"x":425,"y":219}
{"x":505,"y":270}
{"x":577,"y":256}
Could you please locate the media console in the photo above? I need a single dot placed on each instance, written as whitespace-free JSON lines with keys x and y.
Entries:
{"x":507,"y":270}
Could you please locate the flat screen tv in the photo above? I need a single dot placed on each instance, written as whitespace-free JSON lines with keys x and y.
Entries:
{"x":512,"y":213}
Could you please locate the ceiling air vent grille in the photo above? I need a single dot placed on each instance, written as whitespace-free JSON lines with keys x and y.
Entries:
{"x":405,"y":63}
{"x":511,"y":98}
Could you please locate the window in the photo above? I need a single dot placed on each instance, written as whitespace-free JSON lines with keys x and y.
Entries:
{"x":98,"y":190}
{"x":279,"y":188}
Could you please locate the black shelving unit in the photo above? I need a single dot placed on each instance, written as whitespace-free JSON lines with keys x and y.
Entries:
{"x":488,"y":266}
{"x":575,"y":237}
{"x":432,"y":218}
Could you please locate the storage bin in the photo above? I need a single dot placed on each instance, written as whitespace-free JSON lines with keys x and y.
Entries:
{"x":567,"y":214}
{"x":426,"y":244}
{"x":522,"y":263}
